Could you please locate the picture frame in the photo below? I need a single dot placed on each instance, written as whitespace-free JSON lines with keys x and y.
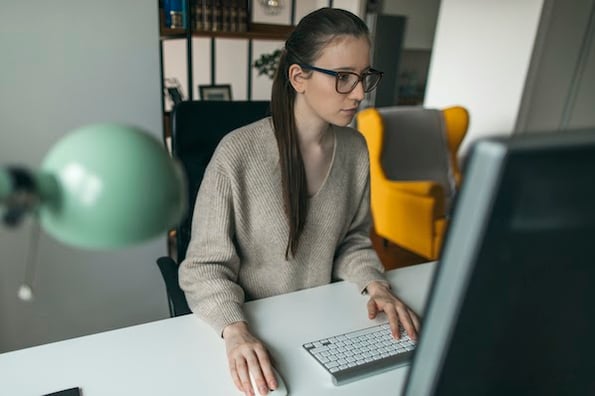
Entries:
{"x":172,"y":89}
{"x":215,"y":92}
{"x":174,"y":94}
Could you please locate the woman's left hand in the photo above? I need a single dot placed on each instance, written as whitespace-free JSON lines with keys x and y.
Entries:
{"x":383,"y":300}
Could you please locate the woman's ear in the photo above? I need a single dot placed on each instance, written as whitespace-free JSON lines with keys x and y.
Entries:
{"x":297,"y":78}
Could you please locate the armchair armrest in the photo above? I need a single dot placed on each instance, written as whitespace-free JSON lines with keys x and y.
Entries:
{"x":406,"y":213}
{"x":420,"y":188}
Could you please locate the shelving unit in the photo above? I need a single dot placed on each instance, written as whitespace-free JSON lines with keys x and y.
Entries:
{"x":263,"y":29}
{"x":254,"y":32}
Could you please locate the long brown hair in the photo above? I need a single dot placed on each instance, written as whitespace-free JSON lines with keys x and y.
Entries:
{"x":314,"y":32}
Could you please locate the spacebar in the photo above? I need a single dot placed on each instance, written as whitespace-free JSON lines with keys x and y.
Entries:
{"x":350,"y":374}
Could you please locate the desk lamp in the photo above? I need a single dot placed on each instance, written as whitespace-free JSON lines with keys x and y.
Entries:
{"x":102,"y":186}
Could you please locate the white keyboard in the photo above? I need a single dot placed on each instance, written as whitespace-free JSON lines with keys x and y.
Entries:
{"x":361,"y":353}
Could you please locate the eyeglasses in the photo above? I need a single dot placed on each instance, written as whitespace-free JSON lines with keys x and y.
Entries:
{"x":347,"y":81}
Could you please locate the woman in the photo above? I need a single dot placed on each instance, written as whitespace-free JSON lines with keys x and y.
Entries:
{"x":284,"y":203}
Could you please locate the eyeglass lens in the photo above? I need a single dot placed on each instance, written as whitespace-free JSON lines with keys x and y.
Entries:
{"x":346,"y":82}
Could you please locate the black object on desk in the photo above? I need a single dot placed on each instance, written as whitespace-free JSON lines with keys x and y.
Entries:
{"x":67,"y":392}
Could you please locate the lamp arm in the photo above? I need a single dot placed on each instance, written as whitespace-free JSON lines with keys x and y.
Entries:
{"x":5,"y":185}
{"x":22,"y":191}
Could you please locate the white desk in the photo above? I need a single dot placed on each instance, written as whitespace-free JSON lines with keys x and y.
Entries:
{"x":183,"y":356}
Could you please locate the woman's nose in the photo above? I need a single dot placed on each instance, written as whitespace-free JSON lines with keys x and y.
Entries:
{"x":358,"y":92}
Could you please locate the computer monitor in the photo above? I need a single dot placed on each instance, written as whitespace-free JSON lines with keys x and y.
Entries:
{"x":512,"y":305}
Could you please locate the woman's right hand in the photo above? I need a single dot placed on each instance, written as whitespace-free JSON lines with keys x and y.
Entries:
{"x":247,"y":354}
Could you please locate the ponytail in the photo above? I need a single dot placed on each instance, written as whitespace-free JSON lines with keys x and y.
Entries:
{"x":293,"y":173}
{"x":312,"y":34}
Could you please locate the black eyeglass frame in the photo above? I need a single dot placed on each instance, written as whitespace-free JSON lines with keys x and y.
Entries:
{"x":337,"y":75}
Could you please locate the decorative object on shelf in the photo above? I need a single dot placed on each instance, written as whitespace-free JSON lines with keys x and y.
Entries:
{"x":271,"y":7}
{"x":215,"y":92}
{"x":242,"y":15}
{"x":216,"y":22}
{"x":102,"y":186}
{"x":173,"y":90}
{"x":272,"y":12}
{"x":175,"y":14}
{"x":219,"y":15}
{"x":267,"y":63}
{"x":197,"y":10}
{"x":233,"y":16}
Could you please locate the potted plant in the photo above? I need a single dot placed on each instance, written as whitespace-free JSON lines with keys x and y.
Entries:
{"x":267,"y":63}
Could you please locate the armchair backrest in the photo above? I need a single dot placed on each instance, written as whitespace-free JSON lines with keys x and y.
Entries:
{"x":413,"y":172}
{"x":416,"y":143}
{"x":456,"y":120}
{"x":415,"y":146}
{"x":197,"y":129}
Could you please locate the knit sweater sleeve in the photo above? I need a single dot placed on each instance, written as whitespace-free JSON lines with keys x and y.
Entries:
{"x":209,"y":273}
{"x":355,"y":258}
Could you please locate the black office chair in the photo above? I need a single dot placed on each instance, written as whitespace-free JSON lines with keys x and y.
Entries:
{"x":197,"y":129}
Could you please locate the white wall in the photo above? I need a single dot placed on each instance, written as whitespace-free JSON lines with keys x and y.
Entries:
{"x":582,"y":113}
{"x":560,"y":88}
{"x":66,"y":63}
{"x":481,"y":54}
{"x":228,"y":72}
{"x":303,"y":7}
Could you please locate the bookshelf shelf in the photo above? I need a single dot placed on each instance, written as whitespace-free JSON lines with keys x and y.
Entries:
{"x":257,"y":31}
{"x":167,"y":33}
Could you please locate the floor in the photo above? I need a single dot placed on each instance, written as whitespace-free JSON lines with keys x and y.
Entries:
{"x":393,"y":256}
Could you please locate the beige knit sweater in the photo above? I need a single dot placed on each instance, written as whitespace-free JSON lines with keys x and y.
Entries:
{"x":240,"y":231}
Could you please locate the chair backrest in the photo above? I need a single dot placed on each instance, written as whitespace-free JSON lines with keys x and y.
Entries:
{"x":417,"y":146}
{"x":197,"y":129}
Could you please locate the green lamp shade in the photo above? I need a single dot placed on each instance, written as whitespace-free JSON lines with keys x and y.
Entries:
{"x":108,"y":185}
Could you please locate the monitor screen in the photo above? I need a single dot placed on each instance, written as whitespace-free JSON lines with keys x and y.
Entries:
{"x":512,"y":304}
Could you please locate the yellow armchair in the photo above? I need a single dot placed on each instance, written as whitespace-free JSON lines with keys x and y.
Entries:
{"x":411,"y":213}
